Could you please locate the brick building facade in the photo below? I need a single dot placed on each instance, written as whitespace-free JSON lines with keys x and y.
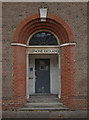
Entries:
{"x":68,"y":21}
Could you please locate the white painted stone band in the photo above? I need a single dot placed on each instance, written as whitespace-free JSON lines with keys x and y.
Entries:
{"x":45,"y":1}
{"x":19,"y":44}
{"x":67,"y":44}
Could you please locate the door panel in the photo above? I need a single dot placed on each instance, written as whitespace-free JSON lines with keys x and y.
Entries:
{"x":42,"y":75}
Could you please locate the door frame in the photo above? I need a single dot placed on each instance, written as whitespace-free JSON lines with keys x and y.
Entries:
{"x":27,"y":76}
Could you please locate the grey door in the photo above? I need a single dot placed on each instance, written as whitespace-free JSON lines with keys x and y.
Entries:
{"x":42,"y":75}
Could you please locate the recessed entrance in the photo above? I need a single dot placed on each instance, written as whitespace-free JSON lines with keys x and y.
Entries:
{"x":43,"y":64}
{"x":42,"y":75}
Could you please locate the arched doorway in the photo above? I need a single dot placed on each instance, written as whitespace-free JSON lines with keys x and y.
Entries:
{"x":28,"y":27}
{"x":43,"y":64}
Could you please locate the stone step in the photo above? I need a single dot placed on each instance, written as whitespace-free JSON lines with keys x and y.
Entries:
{"x":44,"y":109}
{"x":43,"y":105}
{"x":43,"y":101}
{"x":43,"y":96}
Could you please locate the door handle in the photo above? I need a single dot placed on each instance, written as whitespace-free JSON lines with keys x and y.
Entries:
{"x":35,"y":77}
{"x":30,"y":78}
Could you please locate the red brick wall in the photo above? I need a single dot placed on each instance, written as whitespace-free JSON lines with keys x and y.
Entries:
{"x":68,"y":86}
{"x":19,"y":71}
{"x":19,"y":79}
{"x":13,"y":103}
{"x":67,"y":71}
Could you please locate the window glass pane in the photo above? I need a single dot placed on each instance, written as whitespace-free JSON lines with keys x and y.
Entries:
{"x":43,"y":38}
{"x":43,"y":66}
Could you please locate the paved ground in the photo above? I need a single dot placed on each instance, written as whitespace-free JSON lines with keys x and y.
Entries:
{"x":44,"y":114}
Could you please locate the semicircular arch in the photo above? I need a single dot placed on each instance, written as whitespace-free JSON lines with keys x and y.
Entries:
{"x":53,"y":23}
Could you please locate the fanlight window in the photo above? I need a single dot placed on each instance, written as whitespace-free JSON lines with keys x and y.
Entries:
{"x":43,"y":38}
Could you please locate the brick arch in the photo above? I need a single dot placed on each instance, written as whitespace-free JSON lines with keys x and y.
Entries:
{"x":32,"y":24}
{"x":63,"y":32}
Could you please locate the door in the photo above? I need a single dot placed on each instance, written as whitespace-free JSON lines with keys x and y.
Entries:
{"x":42,"y":75}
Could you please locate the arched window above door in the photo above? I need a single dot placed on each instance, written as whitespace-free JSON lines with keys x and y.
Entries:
{"x":43,"y":38}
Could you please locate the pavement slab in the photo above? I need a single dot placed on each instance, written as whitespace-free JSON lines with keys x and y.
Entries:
{"x":44,"y":114}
